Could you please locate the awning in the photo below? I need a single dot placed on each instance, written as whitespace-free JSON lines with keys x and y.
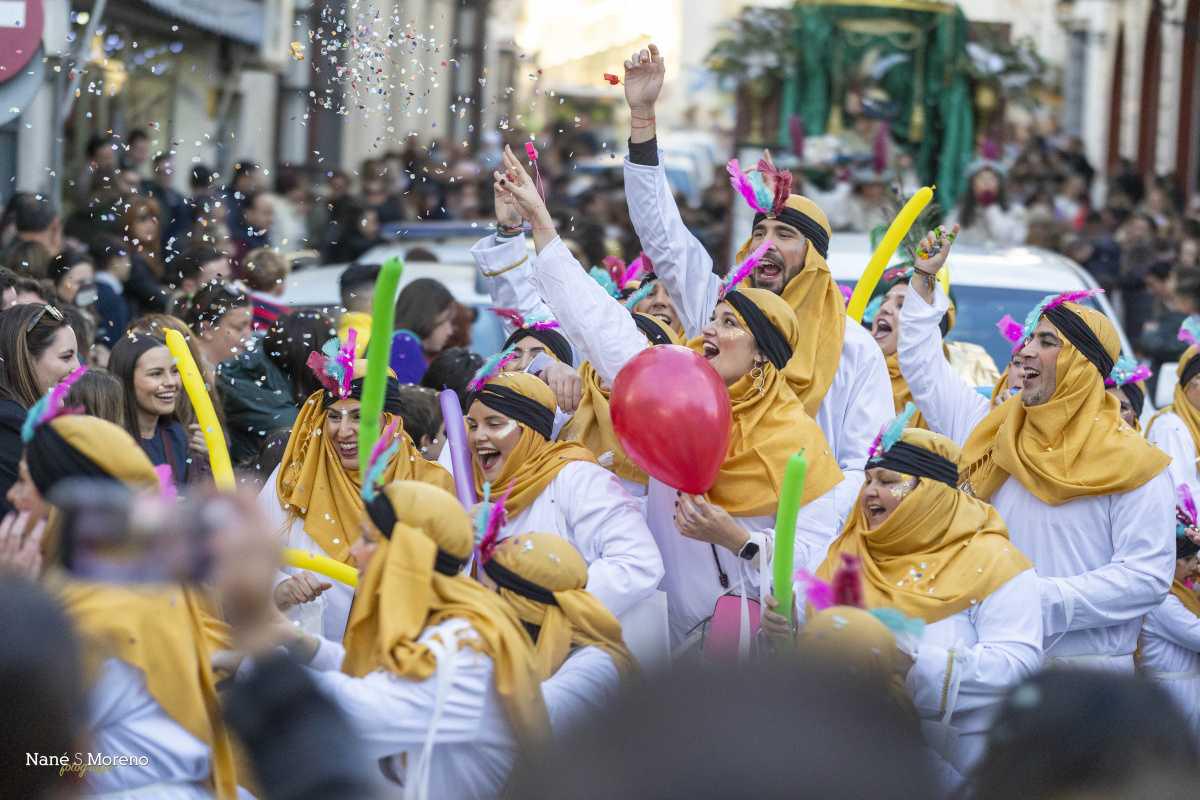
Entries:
{"x":243,"y":20}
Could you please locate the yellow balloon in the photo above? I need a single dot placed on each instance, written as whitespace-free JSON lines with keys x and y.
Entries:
{"x":883,"y":254}
{"x":206,"y":415}
{"x":324,"y":565}
{"x":944,"y":279}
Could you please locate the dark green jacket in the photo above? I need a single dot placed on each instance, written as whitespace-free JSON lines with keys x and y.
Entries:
{"x":258,"y":401}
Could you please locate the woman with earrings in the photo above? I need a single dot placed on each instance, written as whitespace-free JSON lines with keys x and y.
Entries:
{"x":722,"y":542}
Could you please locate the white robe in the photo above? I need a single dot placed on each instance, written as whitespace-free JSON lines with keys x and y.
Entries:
{"x":1103,"y":562}
{"x":1170,"y":651}
{"x":585,"y":684}
{"x":1172,"y":436}
{"x":859,"y":400}
{"x":327,"y":615}
{"x":474,"y":746}
{"x":609,"y":337}
{"x":124,"y":719}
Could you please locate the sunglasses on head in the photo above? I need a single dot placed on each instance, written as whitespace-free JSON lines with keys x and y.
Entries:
{"x":54,"y":313}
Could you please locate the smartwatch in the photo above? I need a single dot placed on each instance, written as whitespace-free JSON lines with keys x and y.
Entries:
{"x":749,"y":550}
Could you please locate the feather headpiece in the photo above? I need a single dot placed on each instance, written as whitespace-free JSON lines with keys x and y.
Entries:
{"x":745,"y":268}
{"x":753,"y":191}
{"x":782,"y":180}
{"x":1011,"y":330}
{"x":1053,"y":301}
{"x":491,"y":367}
{"x":890,"y":433}
{"x":51,"y":405}
{"x":872,"y":309}
{"x":602,"y":277}
{"x":166,"y":483}
{"x":641,"y":294}
{"x":491,"y":518}
{"x":1189,"y":331}
{"x":1127,"y":371}
{"x":381,"y":455}
{"x":515,"y":317}
{"x":846,"y":590}
{"x":334,"y":365}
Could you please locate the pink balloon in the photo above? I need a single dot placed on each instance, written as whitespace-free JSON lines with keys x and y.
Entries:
{"x":670,"y":411}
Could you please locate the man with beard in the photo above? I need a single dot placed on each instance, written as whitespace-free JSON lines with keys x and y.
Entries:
{"x":838,"y":372}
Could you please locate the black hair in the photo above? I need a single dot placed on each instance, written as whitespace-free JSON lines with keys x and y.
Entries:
{"x":211,"y":302}
{"x":135,"y":135}
{"x":189,"y":263}
{"x":287,"y":180}
{"x":1079,"y":732}
{"x":32,"y":213}
{"x":289,"y":342}
{"x":353,"y":280}
{"x":21,"y":346}
{"x":419,"y":305}
{"x":97,"y":143}
{"x":105,"y":248}
{"x":41,"y":654}
{"x":63,"y":263}
{"x":244,"y":168}
{"x":453,"y":368}
{"x":420,"y":412}
{"x":970,"y":207}
{"x":201,"y":177}
{"x":1161,"y":269}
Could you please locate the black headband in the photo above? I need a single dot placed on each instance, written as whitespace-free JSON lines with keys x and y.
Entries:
{"x":517,"y":406}
{"x":1080,"y":335}
{"x":1190,"y":370}
{"x":1137,"y":398}
{"x":507,"y":579}
{"x":652,"y":329}
{"x":393,"y":403}
{"x":51,"y":458}
{"x":384,"y":516}
{"x":1185,"y":547}
{"x":557,"y":343}
{"x":913,"y":460}
{"x":770,"y":339}
{"x":809,"y":227}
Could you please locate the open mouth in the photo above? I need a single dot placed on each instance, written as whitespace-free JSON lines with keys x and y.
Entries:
{"x":711,"y":351}
{"x":348,"y":450}
{"x":488,"y":458}
{"x":1031,"y":373}
{"x":768,"y":269}
{"x":875,"y":511}
{"x":882,"y":329}
{"x":165,"y":397}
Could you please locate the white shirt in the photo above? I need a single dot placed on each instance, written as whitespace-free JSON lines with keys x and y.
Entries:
{"x":584,"y":685}
{"x":1103,"y":561}
{"x":509,"y":288}
{"x":1170,"y":651}
{"x":609,"y":337}
{"x":966,"y":662}
{"x":124,"y":719}
{"x":327,"y":615}
{"x":859,"y":401}
{"x":474,"y":745}
{"x":1172,"y":436}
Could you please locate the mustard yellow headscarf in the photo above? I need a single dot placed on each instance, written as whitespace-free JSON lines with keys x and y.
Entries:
{"x":534,"y":462}
{"x":591,"y":424}
{"x":165,"y":632}
{"x":313,"y":485}
{"x":401,"y":594}
{"x":1073,"y":445}
{"x":769,"y":425}
{"x":577,"y":618}
{"x":1180,"y":406}
{"x":820,"y":311}
{"x":867,"y":647}
{"x":939,"y":552}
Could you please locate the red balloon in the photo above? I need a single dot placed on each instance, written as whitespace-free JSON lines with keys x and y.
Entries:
{"x":670,"y":411}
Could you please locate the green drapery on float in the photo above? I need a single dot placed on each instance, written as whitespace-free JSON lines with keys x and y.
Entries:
{"x":919,"y":48}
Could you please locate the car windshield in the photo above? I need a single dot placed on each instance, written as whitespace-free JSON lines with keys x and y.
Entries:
{"x":980,"y":308}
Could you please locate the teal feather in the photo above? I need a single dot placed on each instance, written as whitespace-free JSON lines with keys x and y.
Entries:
{"x":602,"y":277}
{"x":872,"y":309}
{"x":764,"y":196}
{"x":641,"y":294}
{"x":375,"y":472}
{"x":481,"y":516}
{"x":899,"y":624}
{"x":895,"y":429}
{"x":33,"y":417}
{"x":1189,"y":331}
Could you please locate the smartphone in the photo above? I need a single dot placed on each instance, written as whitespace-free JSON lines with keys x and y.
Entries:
{"x":112,"y":535}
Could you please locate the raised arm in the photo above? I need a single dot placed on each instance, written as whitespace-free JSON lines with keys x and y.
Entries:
{"x":503,"y":259}
{"x":680,"y":261}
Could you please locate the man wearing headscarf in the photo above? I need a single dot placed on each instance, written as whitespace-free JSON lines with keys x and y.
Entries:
{"x":837,"y":370}
{"x":1086,"y":498}
{"x":1176,"y":427}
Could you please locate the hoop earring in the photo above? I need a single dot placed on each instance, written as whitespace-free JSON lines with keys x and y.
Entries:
{"x":760,"y":379}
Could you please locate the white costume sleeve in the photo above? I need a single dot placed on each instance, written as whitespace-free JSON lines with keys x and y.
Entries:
{"x":603,"y":328}
{"x":951,"y":407}
{"x":680,"y":261}
{"x":609,"y":530}
{"x":509,"y":286}
{"x":1171,"y":435}
{"x":1008,"y":649}
{"x":861,"y":404}
{"x":1137,"y":578}
{"x":1173,"y":622}
{"x":584,"y":685}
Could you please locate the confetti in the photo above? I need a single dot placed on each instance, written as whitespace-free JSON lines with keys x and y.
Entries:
{"x":612,"y":79}
{"x":297,"y":51}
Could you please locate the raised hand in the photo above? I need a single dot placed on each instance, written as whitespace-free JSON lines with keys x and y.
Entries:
{"x":644,"y":73}
{"x":508,"y":213}
{"x":20,"y":546}
{"x":935,"y":249}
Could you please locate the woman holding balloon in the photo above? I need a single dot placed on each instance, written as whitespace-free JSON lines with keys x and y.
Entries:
{"x":313,"y":497}
{"x":722,"y":540}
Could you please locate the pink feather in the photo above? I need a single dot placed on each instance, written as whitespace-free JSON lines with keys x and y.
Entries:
{"x":742,"y":184}
{"x":847,"y":291}
{"x":847,"y":582}
{"x":616,"y":269}
{"x":738,"y":275}
{"x":781,"y":178}
{"x":345,"y":358}
{"x":489,"y":371}
{"x":1071,"y":297}
{"x":166,"y":482}
{"x":385,"y":439}
{"x":817,"y":592}
{"x":636,"y":268}
{"x":1186,"y":501}
{"x":1010,"y":329}
{"x":496,"y":518}
{"x":57,"y":401}
{"x":510,"y":314}
{"x":544,"y":325}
